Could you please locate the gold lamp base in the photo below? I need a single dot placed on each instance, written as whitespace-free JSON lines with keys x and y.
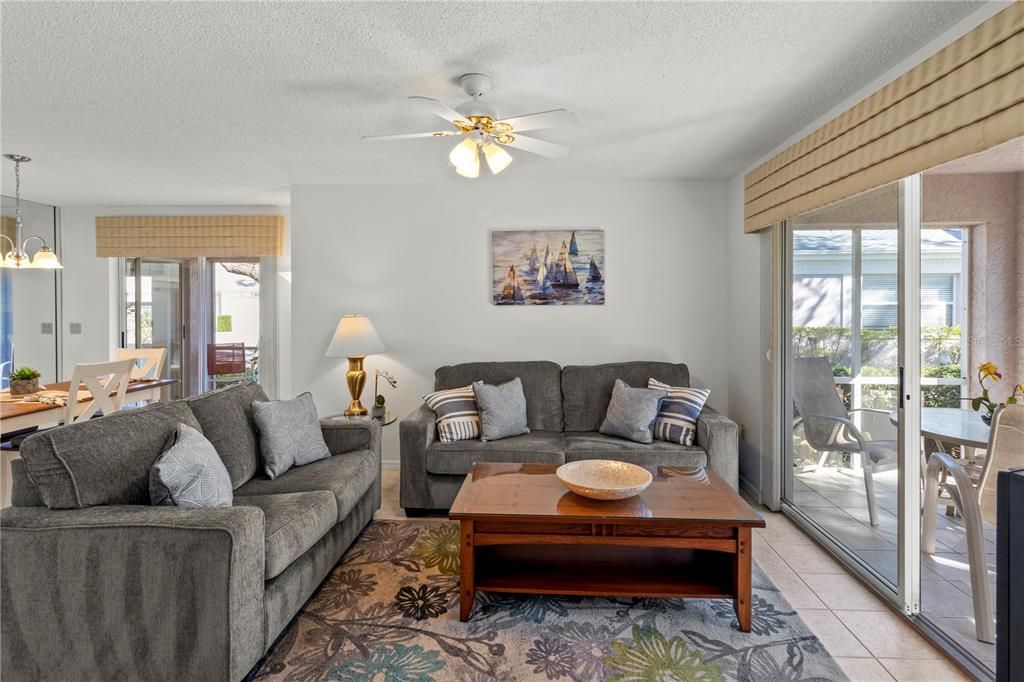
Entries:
{"x":355,"y":377}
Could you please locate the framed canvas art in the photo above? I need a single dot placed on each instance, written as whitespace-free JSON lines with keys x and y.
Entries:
{"x":547,"y":267}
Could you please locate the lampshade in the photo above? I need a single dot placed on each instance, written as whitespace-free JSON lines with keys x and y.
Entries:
{"x":466,"y":158}
{"x":46,"y":259}
{"x":497,"y":158}
{"x":355,"y":337}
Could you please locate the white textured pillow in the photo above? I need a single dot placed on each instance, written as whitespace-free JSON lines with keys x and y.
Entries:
{"x":189,"y":473}
{"x":290,"y":433}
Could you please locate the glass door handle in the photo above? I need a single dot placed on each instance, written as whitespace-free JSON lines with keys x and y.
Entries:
{"x":900,"y":388}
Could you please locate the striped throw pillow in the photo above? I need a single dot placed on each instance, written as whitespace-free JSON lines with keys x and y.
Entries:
{"x":458,"y":417}
{"x":677,"y":417}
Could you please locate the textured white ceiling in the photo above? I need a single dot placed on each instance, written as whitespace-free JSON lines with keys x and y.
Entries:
{"x":227,"y":103}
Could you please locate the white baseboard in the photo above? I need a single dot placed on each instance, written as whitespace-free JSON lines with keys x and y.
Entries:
{"x":390,"y":464}
{"x":752,"y":491}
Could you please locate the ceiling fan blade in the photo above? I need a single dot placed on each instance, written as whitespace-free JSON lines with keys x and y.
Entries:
{"x":408,"y":136}
{"x":535,"y":146}
{"x":441,"y":109}
{"x":541,"y":119}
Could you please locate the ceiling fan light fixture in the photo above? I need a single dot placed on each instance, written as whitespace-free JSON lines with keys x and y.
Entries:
{"x":497,"y":158}
{"x":466,"y":158}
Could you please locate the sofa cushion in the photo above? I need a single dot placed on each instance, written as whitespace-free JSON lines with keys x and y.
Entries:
{"x":587,"y":389}
{"x":459,"y":457}
{"x":631,"y":412}
{"x":189,"y":473}
{"x":226,"y":416}
{"x":346,"y":476}
{"x":659,"y":453}
{"x":502,"y":409}
{"x":293,"y":522}
{"x":678,"y":413}
{"x":105,"y":460}
{"x":541,"y":386}
{"x":290,"y":433}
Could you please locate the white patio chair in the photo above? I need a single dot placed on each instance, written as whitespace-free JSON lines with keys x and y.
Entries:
{"x":106,"y":381}
{"x":829,"y":430}
{"x":975,"y":498}
{"x":148,"y":363}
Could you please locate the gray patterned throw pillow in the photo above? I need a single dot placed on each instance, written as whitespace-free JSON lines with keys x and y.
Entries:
{"x":189,"y":473}
{"x":631,"y":412}
{"x":290,"y":433}
{"x":502,"y":409}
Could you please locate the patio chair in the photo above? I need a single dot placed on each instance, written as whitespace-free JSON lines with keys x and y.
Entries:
{"x":975,"y":499}
{"x":829,"y":430}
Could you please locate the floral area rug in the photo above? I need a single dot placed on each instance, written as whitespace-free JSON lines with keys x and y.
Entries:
{"x":389,"y":613}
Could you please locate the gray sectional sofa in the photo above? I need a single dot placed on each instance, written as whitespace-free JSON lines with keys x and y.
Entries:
{"x":565,"y":407}
{"x":98,"y":585}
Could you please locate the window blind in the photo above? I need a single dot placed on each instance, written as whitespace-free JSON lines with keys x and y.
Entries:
{"x":189,"y":236}
{"x":962,"y":100}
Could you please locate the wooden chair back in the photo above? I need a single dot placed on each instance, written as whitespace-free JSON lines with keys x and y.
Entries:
{"x":107,"y":382}
{"x":1005,"y":451}
{"x":147,"y":363}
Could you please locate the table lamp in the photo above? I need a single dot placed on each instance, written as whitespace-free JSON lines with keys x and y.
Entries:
{"x":355,"y":338}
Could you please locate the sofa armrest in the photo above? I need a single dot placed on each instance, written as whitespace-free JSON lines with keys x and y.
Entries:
{"x":349,"y":435}
{"x":416,"y":434}
{"x":131,"y":592}
{"x":720,"y":438}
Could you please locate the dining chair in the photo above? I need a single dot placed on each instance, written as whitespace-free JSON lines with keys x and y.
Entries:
{"x":148,"y":363}
{"x":975,"y":499}
{"x":107,"y":382}
{"x":829,"y":429}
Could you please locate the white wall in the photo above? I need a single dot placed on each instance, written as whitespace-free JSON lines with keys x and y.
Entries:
{"x":749,"y":278}
{"x":416,"y":259}
{"x":90,"y":283}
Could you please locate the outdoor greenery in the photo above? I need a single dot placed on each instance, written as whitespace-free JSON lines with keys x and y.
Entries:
{"x":940,"y":358}
{"x":223,"y":323}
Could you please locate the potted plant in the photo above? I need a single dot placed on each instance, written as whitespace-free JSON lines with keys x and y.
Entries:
{"x":24,"y":381}
{"x":988,"y":371}
{"x":379,"y":408}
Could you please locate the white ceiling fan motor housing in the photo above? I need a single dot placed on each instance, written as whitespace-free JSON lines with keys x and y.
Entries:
{"x":476,"y":85}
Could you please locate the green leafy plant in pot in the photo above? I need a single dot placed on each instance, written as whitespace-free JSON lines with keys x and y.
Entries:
{"x":379,"y":402}
{"x":24,"y":380}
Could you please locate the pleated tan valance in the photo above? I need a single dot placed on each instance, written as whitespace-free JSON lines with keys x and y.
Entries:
{"x":962,"y":100}
{"x":190,"y":236}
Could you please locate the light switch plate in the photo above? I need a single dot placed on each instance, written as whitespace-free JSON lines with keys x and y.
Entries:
{"x":75,"y":327}
{"x":46,"y":328}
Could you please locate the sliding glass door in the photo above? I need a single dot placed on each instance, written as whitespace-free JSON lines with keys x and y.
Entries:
{"x":153,"y":306}
{"x":845,"y":382}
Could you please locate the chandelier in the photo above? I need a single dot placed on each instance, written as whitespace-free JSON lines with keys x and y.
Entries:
{"x":17,"y":257}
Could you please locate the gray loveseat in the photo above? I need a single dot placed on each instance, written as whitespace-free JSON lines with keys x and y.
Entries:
{"x":564,"y":408}
{"x":98,"y":585}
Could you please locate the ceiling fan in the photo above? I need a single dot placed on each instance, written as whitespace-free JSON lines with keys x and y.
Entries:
{"x":484,"y":133}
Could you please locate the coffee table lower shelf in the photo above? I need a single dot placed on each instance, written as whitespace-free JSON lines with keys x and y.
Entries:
{"x":596,"y":570}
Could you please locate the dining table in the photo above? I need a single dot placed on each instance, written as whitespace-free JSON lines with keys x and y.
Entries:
{"x":949,"y":426}
{"x":17,"y":414}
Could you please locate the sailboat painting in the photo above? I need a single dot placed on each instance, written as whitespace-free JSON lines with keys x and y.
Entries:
{"x":548,"y":267}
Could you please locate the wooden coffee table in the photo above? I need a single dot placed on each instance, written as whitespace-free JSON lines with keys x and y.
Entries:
{"x":687,"y":535}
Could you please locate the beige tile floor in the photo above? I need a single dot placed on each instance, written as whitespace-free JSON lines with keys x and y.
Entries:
{"x":869,"y":641}
{"x":835,"y":499}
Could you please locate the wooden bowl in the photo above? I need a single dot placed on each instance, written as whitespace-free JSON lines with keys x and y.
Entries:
{"x":602,"y":479}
